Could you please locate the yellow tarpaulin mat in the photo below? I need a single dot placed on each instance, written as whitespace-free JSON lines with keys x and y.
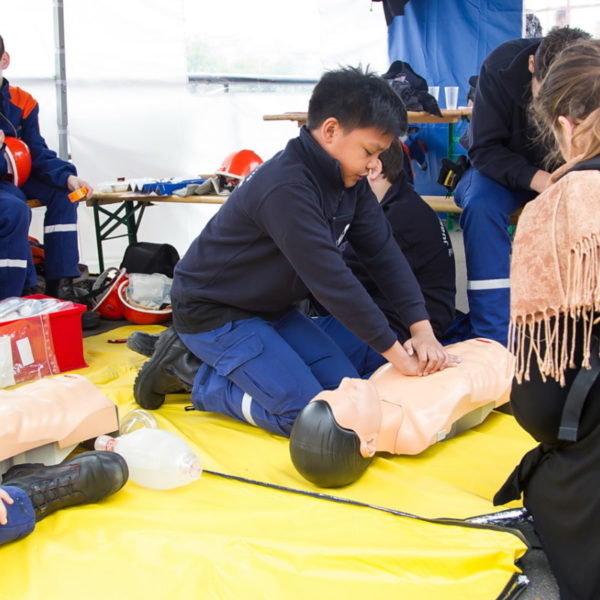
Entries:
{"x":221,"y":538}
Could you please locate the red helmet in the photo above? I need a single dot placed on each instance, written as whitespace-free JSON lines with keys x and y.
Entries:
{"x":136,"y":313}
{"x":108,"y":304}
{"x":237,"y":165}
{"x":18,"y":158}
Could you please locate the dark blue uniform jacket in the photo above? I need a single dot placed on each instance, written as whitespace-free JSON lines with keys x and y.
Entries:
{"x":501,"y":136}
{"x":277,"y":239}
{"x":19,"y":115}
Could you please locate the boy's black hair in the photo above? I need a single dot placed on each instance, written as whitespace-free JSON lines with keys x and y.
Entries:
{"x":392,"y":161}
{"x":557,"y":39}
{"x":357,"y":99}
{"x":1,"y":46}
{"x":322,"y":451}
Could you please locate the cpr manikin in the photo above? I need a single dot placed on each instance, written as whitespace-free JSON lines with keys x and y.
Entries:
{"x":42,"y":421}
{"x":336,"y":435}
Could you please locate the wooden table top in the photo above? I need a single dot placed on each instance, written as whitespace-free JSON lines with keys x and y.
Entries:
{"x":449,"y":116}
{"x":114,"y":197}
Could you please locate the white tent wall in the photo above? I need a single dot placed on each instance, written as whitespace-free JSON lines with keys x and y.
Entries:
{"x":131,"y":111}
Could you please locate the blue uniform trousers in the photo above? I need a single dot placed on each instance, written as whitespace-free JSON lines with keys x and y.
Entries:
{"x":60,"y":235}
{"x":265,"y":372}
{"x":20,"y":516}
{"x":487,"y":207}
{"x":361,"y":355}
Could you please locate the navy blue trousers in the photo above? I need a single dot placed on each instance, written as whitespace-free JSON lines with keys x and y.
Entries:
{"x":60,"y":235}
{"x":265,"y":372}
{"x":487,"y":207}
{"x":21,"y":516}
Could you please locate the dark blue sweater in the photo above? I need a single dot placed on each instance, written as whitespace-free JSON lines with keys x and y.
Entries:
{"x":501,"y":136}
{"x":277,"y":238}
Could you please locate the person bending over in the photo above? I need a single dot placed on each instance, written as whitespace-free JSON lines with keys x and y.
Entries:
{"x":277,"y":239}
{"x":423,"y":239}
{"x":555,"y":278}
{"x":507,"y":171}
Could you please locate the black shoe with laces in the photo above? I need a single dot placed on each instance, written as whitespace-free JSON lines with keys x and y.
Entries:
{"x":85,"y":478}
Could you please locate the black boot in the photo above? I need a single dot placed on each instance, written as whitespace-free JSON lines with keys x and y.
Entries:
{"x":63,"y":290}
{"x":171,"y":369}
{"x":86,"y":478}
{"x":142,"y":342}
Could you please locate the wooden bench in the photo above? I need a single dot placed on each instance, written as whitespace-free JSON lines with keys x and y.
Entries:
{"x":445,"y":204}
{"x":442,"y":204}
{"x":34,"y":203}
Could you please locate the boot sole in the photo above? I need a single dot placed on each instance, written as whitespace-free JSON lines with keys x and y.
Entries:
{"x":151,"y":372}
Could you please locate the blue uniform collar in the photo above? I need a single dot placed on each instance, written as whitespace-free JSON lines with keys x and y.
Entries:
{"x":324,"y":166}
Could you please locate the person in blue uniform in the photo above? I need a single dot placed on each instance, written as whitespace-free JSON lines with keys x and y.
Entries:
{"x":50,"y":182}
{"x":277,"y":239}
{"x":423,"y":239}
{"x":507,"y":170}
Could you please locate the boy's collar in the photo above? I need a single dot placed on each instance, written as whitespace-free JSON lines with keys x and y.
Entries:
{"x":325,"y":163}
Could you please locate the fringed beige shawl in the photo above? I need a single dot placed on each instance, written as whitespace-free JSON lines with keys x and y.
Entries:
{"x":555,"y":272}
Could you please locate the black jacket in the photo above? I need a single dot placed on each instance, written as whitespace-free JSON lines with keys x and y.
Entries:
{"x":425,"y":243}
{"x":277,"y":238}
{"x":501,"y":137}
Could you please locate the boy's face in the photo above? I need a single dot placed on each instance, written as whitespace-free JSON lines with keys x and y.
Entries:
{"x":357,"y":151}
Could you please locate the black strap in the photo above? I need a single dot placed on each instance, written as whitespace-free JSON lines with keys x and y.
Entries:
{"x":571,"y":413}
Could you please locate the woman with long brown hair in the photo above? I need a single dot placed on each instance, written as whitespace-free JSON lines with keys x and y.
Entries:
{"x":555,"y":310}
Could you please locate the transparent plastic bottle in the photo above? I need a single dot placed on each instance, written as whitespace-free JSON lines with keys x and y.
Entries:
{"x":156,"y":458}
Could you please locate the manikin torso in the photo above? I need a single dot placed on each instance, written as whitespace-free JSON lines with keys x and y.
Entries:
{"x":400,"y":414}
{"x":66,"y":410}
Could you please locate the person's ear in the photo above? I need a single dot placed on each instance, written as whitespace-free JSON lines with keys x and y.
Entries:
{"x":567,"y":126}
{"x":368,"y":447}
{"x":330,"y":129}
{"x":531,"y":63}
{"x":4,"y":61}
{"x":375,"y":172}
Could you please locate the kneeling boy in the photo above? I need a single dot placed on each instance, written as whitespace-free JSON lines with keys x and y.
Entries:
{"x":273,"y":242}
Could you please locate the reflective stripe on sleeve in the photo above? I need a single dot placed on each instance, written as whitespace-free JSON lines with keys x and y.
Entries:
{"x":13,"y":263}
{"x":488,"y":284}
{"x":60,"y":228}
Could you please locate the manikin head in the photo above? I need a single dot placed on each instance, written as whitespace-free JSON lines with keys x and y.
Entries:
{"x":334,"y":438}
{"x":550,"y":47}
{"x":354,"y":116}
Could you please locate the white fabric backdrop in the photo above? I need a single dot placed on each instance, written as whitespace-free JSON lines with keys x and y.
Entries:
{"x":131,"y":112}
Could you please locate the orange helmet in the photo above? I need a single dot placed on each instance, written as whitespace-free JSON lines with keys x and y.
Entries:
{"x":108,"y":303}
{"x":236,"y":166}
{"x":136,"y":313}
{"x":18,"y":158}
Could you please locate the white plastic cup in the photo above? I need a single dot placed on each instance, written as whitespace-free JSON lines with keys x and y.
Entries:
{"x":451,"y":93}
{"x":434,"y":90}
